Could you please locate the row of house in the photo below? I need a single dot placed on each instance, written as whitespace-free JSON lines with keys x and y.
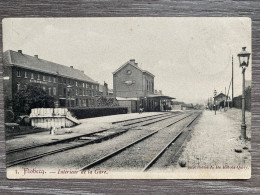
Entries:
{"x":70,"y":87}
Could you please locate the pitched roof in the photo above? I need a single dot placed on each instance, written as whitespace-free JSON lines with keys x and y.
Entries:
{"x":34,"y":63}
{"x":134,"y":65}
{"x":220,"y":94}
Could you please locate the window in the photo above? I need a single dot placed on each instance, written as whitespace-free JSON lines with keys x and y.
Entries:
{"x":86,"y":85}
{"x":18,"y":86}
{"x":64,"y":91}
{"x":18,"y":73}
{"x":54,"y":79}
{"x":83,"y":92}
{"x":83,"y":85}
{"x":43,"y":77}
{"x":49,"y":90}
{"x":25,"y":74}
{"x":76,"y":91}
{"x":54,"y":91}
{"x":32,"y":76}
{"x":76,"y":83}
{"x":92,"y":93}
{"x":38,"y":77}
{"x":44,"y":88}
{"x":49,"y":79}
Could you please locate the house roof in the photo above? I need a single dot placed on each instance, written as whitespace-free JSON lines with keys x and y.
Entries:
{"x":34,"y":63}
{"x":220,"y":94}
{"x":132,"y":63}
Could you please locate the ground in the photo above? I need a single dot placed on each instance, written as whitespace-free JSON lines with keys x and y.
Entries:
{"x":214,"y":140}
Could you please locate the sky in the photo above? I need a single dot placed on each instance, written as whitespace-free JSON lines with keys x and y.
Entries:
{"x":190,"y":57}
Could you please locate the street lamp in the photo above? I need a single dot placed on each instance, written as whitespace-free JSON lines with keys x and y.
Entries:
{"x":243,"y":57}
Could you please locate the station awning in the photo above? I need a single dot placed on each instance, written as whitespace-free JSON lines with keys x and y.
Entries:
{"x":160,"y":96}
{"x":124,"y":99}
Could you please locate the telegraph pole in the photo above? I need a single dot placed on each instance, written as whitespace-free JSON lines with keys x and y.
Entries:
{"x":232,"y":81}
{"x":215,"y":93}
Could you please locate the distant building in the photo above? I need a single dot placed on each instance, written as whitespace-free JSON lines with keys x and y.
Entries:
{"x":134,"y":87}
{"x":237,"y":101}
{"x":220,"y":100}
{"x":70,"y":87}
{"x":104,"y":90}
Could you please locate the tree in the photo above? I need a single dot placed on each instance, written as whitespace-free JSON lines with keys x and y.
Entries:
{"x":31,"y":97}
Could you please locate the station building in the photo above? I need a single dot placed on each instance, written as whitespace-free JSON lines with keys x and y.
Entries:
{"x":70,"y":87}
{"x":134,"y":87}
{"x":221,"y":100}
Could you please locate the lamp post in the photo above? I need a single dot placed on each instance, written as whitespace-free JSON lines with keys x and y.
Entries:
{"x":243,"y":57}
{"x":69,"y":88}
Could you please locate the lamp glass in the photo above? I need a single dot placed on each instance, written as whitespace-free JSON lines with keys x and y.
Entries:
{"x":243,"y":57}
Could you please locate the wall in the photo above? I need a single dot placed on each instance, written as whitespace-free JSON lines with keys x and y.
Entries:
{"x":122,"y":89}
{"x":10,"y":86}
{"x":150,"y":88}
{"x":237,"y":101}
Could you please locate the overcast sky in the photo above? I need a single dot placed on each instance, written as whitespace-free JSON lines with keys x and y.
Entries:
{"x":190,"y":57}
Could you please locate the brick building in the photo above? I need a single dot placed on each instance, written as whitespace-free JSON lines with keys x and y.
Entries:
{"x":134,"y":87}
{"x":130,"y":81}
{"x":105,"y":91}
{"x":70,"y":87}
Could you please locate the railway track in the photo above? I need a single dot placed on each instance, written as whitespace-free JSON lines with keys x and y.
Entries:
{"x":154,"y":160}
{"x":149,"y":165}
{"x":122,"y":121}
{"x":88,"y":134}
{"x":77,"y":141}
{"x":161,"y":118}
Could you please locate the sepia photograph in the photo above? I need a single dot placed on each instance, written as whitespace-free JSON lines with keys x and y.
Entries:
{"x":127,"y":97}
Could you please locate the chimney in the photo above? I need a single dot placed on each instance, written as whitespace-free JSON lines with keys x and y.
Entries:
{"x":136,"y":64}
{"x":132,"y":61}
{"x":36,"y":56}
{"x":71,"y":66}
{"x":82,"y":71}
{"x":20,"y":51}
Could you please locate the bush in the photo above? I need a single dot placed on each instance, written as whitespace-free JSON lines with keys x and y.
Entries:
{"x":82,"y":113}
{"x":31,"y":97}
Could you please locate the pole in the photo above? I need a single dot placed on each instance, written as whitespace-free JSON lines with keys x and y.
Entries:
{"x":232,"y":80}
{"x":215,"y":106}
{"x":225,"y":99}
{"x":243,"y":125}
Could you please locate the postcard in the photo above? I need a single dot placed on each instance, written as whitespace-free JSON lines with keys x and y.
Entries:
{"x":127,"y":97}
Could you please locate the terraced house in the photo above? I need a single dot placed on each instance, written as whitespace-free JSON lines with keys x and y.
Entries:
{"x":69,"y":86}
